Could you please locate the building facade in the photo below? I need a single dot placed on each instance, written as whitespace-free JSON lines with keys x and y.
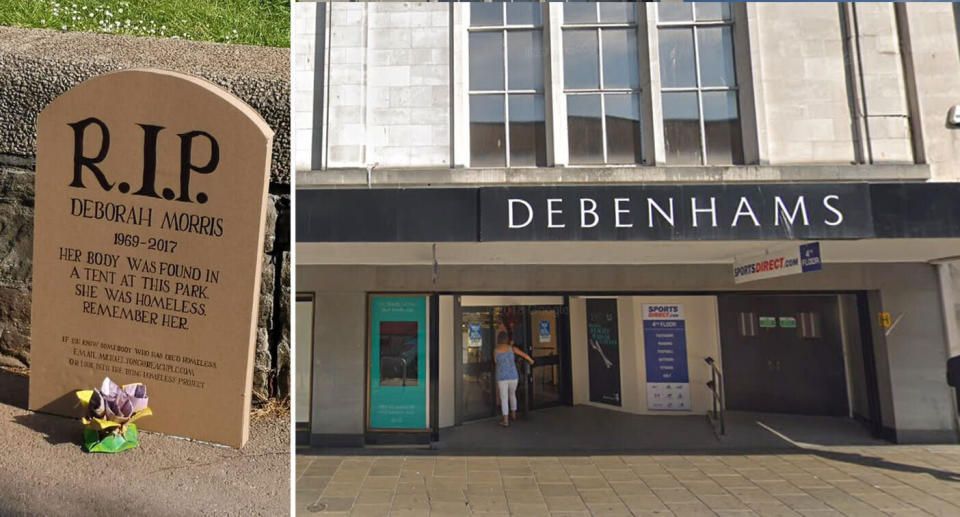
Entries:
{"x":622,"y":188}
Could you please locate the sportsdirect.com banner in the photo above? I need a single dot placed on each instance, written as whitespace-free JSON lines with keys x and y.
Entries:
{"x":787,"y":261}
{"x":665,"y":350}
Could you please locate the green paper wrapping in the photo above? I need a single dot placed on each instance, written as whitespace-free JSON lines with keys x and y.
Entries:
{"x":111,"y":442}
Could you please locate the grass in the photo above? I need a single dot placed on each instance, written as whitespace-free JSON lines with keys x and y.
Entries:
{"x":245,"y":22}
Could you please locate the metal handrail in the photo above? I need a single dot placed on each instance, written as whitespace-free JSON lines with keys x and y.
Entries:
{"x":716,"y":389}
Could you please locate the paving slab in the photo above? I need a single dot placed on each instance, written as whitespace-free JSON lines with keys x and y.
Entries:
{"x":819,"y":481}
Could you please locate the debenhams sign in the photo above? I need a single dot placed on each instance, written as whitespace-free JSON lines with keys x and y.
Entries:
{"x":687,"y":212}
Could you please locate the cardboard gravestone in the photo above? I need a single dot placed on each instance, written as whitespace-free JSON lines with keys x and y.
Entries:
{"x":151,"y":191}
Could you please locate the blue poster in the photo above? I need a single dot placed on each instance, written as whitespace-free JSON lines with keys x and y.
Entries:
{"x":398,"y":362}
{"x":665,"y":351}
{"x":545,"y":331}
{"x":475,"y":335}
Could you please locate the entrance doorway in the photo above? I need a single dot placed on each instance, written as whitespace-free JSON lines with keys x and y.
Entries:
{"x":783,"y":354}
{"x":539,"y":330}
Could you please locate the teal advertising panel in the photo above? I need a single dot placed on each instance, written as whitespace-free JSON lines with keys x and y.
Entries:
{"x":398,"y":362}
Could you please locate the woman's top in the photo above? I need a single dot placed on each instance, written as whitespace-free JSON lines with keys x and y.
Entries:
{"x":507,"y":366}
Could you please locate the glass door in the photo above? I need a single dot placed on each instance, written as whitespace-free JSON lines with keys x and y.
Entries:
{"x":544,"y":382}
{"x":477,"y":384}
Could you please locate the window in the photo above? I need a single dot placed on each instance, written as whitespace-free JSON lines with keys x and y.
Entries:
{"x":507,"y":114}
{"x":601,"y":83}
{"x":398,"y":353}
{"x":575,"y":83}
{"x":701,"y":120}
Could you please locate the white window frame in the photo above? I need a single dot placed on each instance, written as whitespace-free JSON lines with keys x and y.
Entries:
{"x":653,"y":146}
{"x":602,"y":91}
{"x":506,"y":92}
{"x":698,"y":88}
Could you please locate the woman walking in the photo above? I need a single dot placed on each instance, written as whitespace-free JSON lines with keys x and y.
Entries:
{"x":507,"y":376}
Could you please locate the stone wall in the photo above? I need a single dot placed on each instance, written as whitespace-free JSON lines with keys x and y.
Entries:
{"x":38,"y":65}
{"x":389,"y":85}
{"x":935,"y":56}
{"x":303,"y":36}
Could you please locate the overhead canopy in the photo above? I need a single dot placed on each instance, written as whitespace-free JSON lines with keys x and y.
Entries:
{"x":611,"y":253}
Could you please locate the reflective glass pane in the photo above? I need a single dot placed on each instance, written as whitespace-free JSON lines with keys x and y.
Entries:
{"x":681,"y":128}
{"x":399,"y":353}
{"x":620,"y":69}
{"x":676,"y":58}
{"x":712,"y":11}
{"x":675,"y":12}
{"x":584,"y":129}
{"x":528,"y":137}
{"x":523,"y":14}
{"x":580,"y":59}
{"x":721,"y":126}
{"x":525,"y":60}
{"x":486,"y":61}
{"x":623,"y":128}
{"x":579,"y":13}
{"x":487,"y":131}
{"x":618,"y":12}
{"x":716,"y":56}
{"x":486,"y":14}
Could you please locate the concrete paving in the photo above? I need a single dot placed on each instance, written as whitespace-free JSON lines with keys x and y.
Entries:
{"x":825,"y":481}
{"x":44,"y":471}
{"x":569,"y":461}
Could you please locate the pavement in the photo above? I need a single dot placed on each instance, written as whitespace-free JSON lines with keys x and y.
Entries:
{"x":44,"y":471}
{"x":580,"y":461}
{"x":826,"y":481}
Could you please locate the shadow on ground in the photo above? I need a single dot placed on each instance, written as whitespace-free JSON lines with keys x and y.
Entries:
{"x":14,"y":389}
{"x":55,"y":429}
{"x":883,"y":464}
{"x":585,"y":431}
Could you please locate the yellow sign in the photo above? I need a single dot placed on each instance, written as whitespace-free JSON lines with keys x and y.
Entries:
{"x":884,"y":319}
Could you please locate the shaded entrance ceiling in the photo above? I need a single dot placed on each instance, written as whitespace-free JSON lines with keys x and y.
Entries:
{"x":614,"y":253}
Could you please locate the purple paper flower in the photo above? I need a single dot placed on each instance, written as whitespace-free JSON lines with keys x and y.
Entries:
{"x":117,"y":404}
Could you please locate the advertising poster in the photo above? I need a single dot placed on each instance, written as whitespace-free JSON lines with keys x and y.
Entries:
{"x":665,"y":350}
{"x":475,"y":335}
{"x":398,"y":362}
{"x":545,"y":331}
{"x":603,"y":350}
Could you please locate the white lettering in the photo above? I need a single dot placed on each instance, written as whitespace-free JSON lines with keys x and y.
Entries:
{"x":592,"y":211}
{"x":551,"y":211}
{"x":826,"y":204}
{"x":510,"y":213}
{"x":712,"y":210}
{"x":651,"y":205}
{"x":617,"y":211}
{"x":782,"y":209}
{"x":745,"y":203}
